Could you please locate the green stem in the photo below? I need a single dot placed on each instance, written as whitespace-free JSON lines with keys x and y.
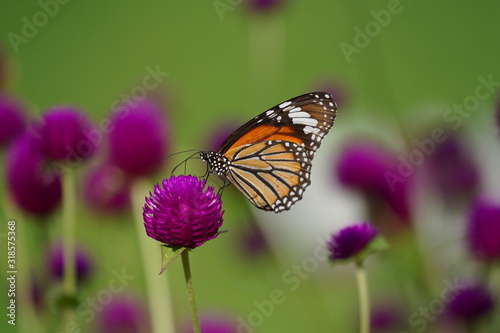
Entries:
{"x":364,"y":302}
{"x":159,"y":299}
{"x":190,"y":290}
{"x":68,"y":226}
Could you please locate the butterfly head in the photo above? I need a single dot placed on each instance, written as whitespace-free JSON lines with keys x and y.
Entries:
{"x":217,"y":163}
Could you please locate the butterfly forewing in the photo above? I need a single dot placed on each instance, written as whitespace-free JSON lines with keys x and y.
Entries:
{"x":269,"y":158}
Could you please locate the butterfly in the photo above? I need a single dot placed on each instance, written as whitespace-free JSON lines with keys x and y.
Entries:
{"x":269,"y":158}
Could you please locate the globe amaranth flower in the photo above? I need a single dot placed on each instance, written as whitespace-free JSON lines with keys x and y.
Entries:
{"x":65,"y":135}
{"x":123,"y":314}
{"x":452,"y":170}
{"x":264,"y":6}
{"x":12,"y":120}
{"x":334,"y":88}
{"x":55,"y":262}
{"x":351,"y":243}
{"x":33,"y":185}
{"x":181,"y":212}
{"x":219,"y":135}
{"x":368,"y":167}
{"x":107,"y":188}
{"x":470,"y":303}
{"x":138,"y":137}
{"x":213,"y":322}
{"x":483,"y":231}
{"x":387,"y":317}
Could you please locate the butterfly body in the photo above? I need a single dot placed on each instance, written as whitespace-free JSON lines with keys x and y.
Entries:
{"x":269,"y":158}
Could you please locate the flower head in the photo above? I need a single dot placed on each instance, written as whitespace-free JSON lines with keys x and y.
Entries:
{"x":213,"y":322}
{"x":386,"y":317}
{"x":351,"y":241}
{"x":123,"y":314}
{"x":64,"y":134}
{"x":470,"y":303}
{"x":55,"y":262}
{"x":369,"y":168}
{"x":12,"y":120}
{"x":138,"y":139}
{"x":107,"y":188}
{"x":336,"y":89}
{"x":181,"y":212}
{"x":483,"y":231}
{"x":219,"y":136}
{"x":264,"y":6}
{"x":452,"y":170}
{"x":34,"y":187}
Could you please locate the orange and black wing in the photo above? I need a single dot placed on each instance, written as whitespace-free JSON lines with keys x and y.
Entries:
{"x":269,"y":158}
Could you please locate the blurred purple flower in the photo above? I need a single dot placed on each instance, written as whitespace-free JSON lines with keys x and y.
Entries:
{"x":264,"y":6}
{"x":219,"y":135}
{"x":452,"y":170}
{"x":213,"y":322}
{"x":253,"y":242}
{"x":55,"y":262}
{"x":364,"y":166}
{"x":181,"y":212}
{"x":470,"y":303}
{"x":335,"y":89}
{"x":483,"y":231}
{"x":12,"y":120}
{"x":386,"y":318}
{"x":34,"y":187}
{"x":64,"y":134}
{"x":350,"y":241}
{"x":123,"y":315}
{"x":107,"y":188}
{"x":139,"y":137}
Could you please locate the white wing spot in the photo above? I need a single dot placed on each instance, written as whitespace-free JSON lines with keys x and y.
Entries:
{"x":285,"y":104}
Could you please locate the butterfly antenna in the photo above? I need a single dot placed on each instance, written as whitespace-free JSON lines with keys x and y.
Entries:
{"x":184,"y":161}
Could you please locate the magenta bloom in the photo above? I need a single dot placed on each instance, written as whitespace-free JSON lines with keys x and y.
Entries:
{"x":34,"y":187}
{"x":213,"y":322}
{"x":219,"y":135}
{"x":335,"y":89}
{"x":12,"y":120}
{"x":364,"y":166}
{"x":264,"y":6}
{"x":107,"y":188}
{"x":55,"y":262}
{"x":351,"y":241}
{"x":64,"y":132}
{"x":483,"y":231}
{"x":181,"y":212}
{"x":138,"y":138}
{"x":386,"y":318}
{"x":452,"y":170}
{"x":123,"y":314}
{"x":470,"y":303}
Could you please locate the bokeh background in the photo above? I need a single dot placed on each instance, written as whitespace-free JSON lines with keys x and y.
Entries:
{"x":228,"y":61}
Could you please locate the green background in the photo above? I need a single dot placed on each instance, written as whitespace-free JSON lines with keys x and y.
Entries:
{"x":91,"y":52}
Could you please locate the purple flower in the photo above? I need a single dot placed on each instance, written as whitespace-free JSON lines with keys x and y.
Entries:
{"x":107,"y":188}
{"x":483,"y":231}
{"x":34,"y":187}
{"x":123,"y":314}
{"x":219,"y":136}
{"x":470,"y":303}
{"x":369,"y":168}
{"x":264,"y":6}
{"x":12,"y":120}
{"x":213,"y":322}
{"x":452,"y":170}
{"x":182,"y":212}
{"x":55,"y":262}
{"x":386,"y":317}
{"x":335,"y":89}
{"x":64,"y":133}
{"x":351,"y":241}
{"x":138,"y":138}
{"x":253,"y":242}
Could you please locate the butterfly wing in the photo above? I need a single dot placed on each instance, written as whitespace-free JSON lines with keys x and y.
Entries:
{"x":269,"y":158}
